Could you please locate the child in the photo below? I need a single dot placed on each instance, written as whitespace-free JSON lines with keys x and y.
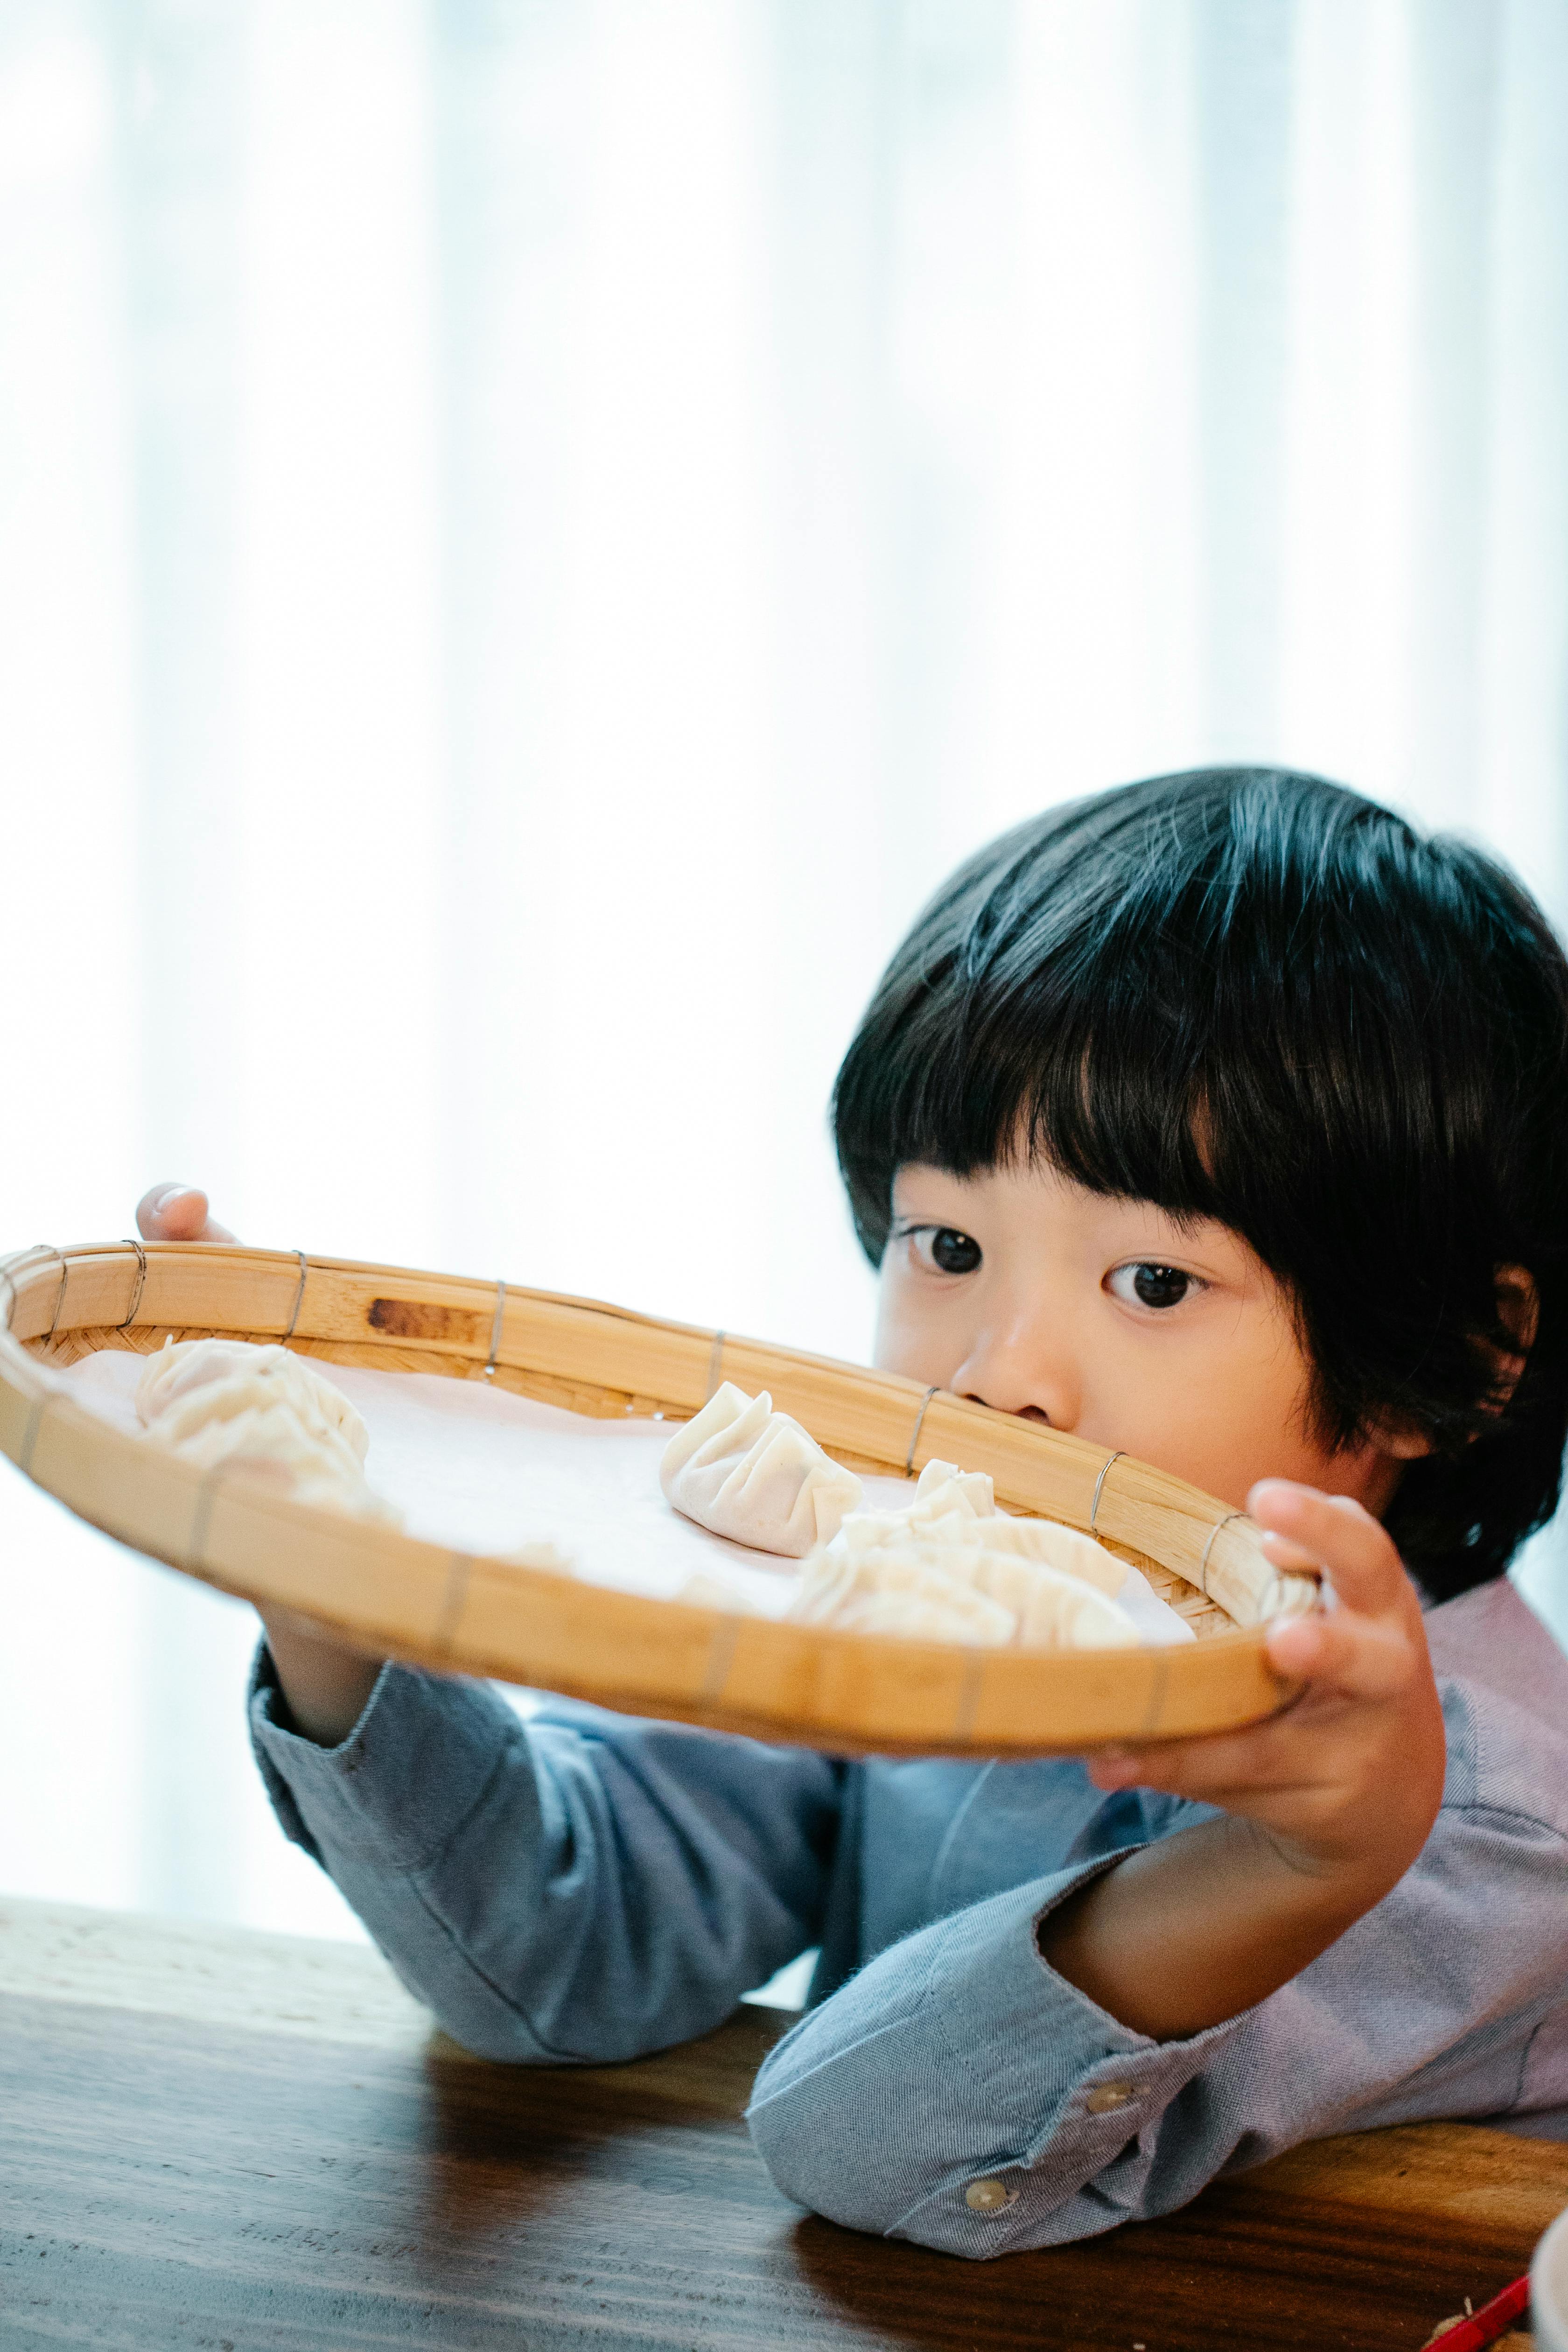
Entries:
{"x":1222,"y":1119}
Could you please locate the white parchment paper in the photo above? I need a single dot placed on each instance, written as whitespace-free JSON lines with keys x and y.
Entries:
{"x":484,"y":1471}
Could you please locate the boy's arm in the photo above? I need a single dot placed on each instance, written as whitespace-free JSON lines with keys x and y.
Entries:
{"x":961,"y":2094}
{"x":577,"y":1888}
{"x":1046,"y":2035}
{"x":325,"y":1682}
{"x":582,"y":1888}
{"x":1324,"y":1808}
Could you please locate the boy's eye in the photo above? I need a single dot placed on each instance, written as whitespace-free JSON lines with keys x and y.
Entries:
{"x":1149,"y":1283}
{"x":950,"y":1252}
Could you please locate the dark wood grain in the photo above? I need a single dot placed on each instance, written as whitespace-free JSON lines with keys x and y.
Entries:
{"x":166,"y":2184}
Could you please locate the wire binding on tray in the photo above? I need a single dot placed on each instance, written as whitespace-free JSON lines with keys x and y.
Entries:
{"x":969,"y":1694}
{"x":915,"y":1434}
{"x":489,"y":1371}
{"x":35,"y":1424}
{"x":715,"y":1364}
{"x":299,"y":1298}
{"x":457,"y":1592}
{"x":132,"y":1242}
{"x":1100,"y":1484}
{"x":721,"y":1658}
{"x":1202,"y":1578}
{"x":197,"y":1542}
{"x":1159,"y":1681}
{"x":60,"y":1294}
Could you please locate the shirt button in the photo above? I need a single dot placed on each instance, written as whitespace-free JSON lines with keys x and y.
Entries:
{"x":1106,"y":2096}
{"x":985,"y":2197}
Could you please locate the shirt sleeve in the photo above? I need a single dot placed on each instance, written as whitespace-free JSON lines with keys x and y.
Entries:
{"x":580,"y":1888}
{"x":962,"y":2093}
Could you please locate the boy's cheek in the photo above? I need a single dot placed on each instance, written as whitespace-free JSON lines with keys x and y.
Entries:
{"x":921,"y":1338}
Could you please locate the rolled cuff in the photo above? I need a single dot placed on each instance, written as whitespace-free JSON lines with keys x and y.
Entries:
{"x":960,"y":2092}
{"x":394,"y":1792}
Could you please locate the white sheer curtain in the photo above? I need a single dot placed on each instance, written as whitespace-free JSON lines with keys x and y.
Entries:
{"x":533,"y":531}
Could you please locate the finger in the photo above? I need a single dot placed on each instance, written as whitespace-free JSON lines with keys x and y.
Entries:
{"x":1353,"y":1662}
{"x":1206,"y":1771}
{"x":1350,"y":1657}
{"x":1253,"y":1758}
{"x":1332,"y":1532}
{"x":1288,"y":1555}
{"x":177,"y":1212}
{"x":1230,"y":1769}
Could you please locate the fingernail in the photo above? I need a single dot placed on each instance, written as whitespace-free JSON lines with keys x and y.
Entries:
{"x":169,"y":1192}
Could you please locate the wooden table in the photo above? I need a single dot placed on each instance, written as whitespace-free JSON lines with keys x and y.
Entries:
{"x":225,"y":2142}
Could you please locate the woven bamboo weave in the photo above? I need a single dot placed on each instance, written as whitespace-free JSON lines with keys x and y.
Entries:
{"x":392,"y":1594}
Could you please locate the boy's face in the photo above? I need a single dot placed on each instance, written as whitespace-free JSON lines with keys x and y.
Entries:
{"x":1106,"y":1317}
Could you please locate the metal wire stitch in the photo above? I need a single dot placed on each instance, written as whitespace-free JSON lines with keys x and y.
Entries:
{"x":1099,"y":1484}
{"x":130,"y":1317}
{"x":915,"y":1434}
{"x":489,"y":1371}
{"x":715,"y":1362}
{"x":48,"y":1250}
{"x":1203,"y":1575}
{"x":299,"y":1298}
{"x":61,"y":1293}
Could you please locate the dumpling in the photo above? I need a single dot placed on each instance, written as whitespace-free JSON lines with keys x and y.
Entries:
{"x":743,"y":1470}
{"x":271,"y":1442}
{"x":270,"y":1375}
{"x":943,"y":1580}
{"x":1066,"y":1550}
{"x":944,"y":1491}
{"x":1052,"y":1611}
{"x":910,"y":1588}
{"x":266,"y":1410}
{"x":947,"y":1506}
{"x":955,"y":1615}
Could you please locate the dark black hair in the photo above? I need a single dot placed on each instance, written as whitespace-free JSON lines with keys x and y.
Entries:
{"x":1250,"y":994}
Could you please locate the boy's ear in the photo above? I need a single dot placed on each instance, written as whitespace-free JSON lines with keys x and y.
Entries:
{"x":1519,"y":1312}
{"x":1401,"y":1441}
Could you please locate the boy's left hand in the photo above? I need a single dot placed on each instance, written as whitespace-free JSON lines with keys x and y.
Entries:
{"x":1329,"y":1803}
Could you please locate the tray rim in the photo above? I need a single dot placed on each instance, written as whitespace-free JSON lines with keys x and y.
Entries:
{"x":431,"y":1605}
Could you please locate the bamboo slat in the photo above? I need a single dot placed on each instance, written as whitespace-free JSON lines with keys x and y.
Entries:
{"x":392,"y":1593}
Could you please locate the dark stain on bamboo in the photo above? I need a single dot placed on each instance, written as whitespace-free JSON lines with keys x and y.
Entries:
{"x":409,"y":1318}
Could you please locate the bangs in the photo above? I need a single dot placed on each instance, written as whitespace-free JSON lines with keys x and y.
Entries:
{"x":1128,"y":990}
{"x":1067,"y":1072}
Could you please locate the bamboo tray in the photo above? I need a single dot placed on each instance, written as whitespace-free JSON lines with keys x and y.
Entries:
{"x":392,"y":1594}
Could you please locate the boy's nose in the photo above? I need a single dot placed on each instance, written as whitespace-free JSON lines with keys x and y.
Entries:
{"x":1013,"y":1374}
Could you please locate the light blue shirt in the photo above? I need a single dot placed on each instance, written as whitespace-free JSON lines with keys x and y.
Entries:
{"x":588,"y":1886}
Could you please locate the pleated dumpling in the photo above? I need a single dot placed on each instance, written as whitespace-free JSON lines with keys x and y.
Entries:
{"x":244,"y":1376}
{"x":960,"y":1507}
{"x":1066,"y":1550}
{"x":943,"y":1491}
{"x":1051,"y":1610}
{"x":263,"y":1411}
{"x":743,"y":1471}
{"x":943,"y":1579}
{"x":908,"y":1587}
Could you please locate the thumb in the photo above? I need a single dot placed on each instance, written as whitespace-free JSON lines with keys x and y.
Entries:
{"x":177,"y":1212}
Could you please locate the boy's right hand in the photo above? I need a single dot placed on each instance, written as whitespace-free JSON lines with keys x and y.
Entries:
{"x":324,"y":1682}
